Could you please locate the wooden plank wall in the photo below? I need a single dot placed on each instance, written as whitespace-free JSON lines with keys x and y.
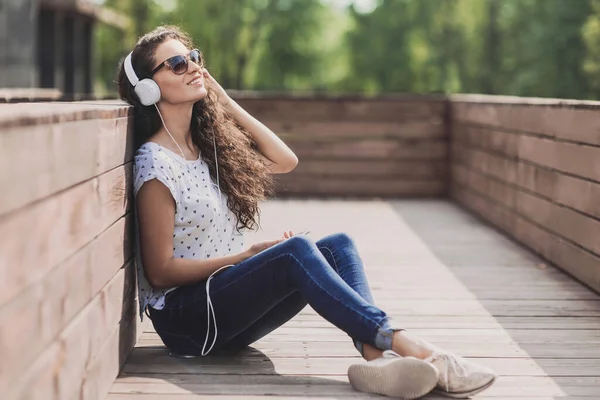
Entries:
{"x":358,"y":147}
{"x":532,"y":168}
{"x":68,"y":308}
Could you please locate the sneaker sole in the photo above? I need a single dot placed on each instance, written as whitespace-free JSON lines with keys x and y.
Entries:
{"x":403,"y":378}
{"x":465,"y":395}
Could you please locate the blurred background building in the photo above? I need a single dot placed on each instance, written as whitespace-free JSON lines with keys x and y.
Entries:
{"x":49,"y":44}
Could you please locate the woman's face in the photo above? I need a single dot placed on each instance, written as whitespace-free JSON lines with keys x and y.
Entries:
{"x":185,"y":88}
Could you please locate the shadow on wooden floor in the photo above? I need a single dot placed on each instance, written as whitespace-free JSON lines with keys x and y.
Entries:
{"x":247,"y":373}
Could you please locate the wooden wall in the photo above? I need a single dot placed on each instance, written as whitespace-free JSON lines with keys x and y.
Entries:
{"x":357,"y":147}
{"x":68,"y":309}
{"x":532,"y":168}
{"x":68,"y":299}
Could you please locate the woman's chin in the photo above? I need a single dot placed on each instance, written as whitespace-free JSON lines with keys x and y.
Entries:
{"x":191,"y":96}
{"x":202,"y":92}
{"x":199,"y":93}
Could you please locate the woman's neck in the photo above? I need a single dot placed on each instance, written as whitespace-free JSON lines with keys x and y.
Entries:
{"x":177,"y":119}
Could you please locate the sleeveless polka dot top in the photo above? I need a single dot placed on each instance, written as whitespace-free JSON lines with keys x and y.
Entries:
{"x":204,"y":227}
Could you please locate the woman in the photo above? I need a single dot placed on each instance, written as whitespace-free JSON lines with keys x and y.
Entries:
{"x":202,"y":166}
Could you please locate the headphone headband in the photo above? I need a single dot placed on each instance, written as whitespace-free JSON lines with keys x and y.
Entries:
{"x":131,"y":75}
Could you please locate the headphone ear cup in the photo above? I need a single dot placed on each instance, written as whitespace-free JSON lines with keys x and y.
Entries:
{"x":148,"y":92}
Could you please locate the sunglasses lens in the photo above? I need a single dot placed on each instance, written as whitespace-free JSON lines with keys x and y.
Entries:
{"x":178,"y":64}
{"x":195,"y":56}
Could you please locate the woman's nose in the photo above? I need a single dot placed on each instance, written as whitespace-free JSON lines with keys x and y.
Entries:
{"x":195,"y":67}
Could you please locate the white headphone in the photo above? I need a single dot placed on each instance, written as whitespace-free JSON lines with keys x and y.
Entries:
{"x":147,"y":90}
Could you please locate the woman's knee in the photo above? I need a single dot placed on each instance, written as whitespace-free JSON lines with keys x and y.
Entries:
{"x":306,"y":251}
{"x":299,"y":245}
{"x":340,"y":239}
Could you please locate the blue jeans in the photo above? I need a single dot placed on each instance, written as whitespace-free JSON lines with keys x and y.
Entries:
{"x":261,"y":293}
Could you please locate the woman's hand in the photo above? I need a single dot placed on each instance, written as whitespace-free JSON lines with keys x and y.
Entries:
{"x":214,"y":86}
{"x":261,"y":246}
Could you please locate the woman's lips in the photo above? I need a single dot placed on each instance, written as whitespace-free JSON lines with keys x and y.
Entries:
{"x":195,"y":82}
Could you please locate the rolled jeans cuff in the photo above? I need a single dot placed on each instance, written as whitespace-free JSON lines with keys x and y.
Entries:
{"x":359,"y":347}
{"x":383,"y":336}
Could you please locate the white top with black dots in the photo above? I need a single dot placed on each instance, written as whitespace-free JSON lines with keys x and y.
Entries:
{"x":204,"y":227}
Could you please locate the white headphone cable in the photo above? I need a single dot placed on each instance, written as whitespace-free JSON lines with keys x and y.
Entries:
{"x":209,"y":307}
{"x":182,"y":155}
{"x":167,"y":129}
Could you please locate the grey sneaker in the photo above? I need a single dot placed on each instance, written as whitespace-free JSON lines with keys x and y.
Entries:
{"x":395,"y":376}
{"x":460,"y":378}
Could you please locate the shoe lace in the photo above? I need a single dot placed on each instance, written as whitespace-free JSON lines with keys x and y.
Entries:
{"x":451,"y":362}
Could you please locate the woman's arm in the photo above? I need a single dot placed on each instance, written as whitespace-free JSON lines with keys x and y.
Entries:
{"x":270,"y":145}
{"x":156,"y":213}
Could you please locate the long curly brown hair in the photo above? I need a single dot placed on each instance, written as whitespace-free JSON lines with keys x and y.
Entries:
{"x":243,"y":176}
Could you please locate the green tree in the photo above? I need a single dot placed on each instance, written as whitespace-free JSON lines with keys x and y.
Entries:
{"x":519,"y":47}
{"x":591,"y":34}
{"x":544,"y":49}
{"x":290,"y":55}
{"x":112,"y":44}
{"x":380,"y":49}
{"x":248,"y":44}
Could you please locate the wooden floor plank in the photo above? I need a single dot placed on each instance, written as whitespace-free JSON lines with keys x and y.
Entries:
{"x":467,"y":322}
{"x":445,"y":276}
{"x":522,"y":337}
{"x":337,"y":386}
{"x":316,"y":385}
{"x":457,"y":322}
{"x":155,"y":362}
{"x":189,"y":396}
{"x":505,"y":350}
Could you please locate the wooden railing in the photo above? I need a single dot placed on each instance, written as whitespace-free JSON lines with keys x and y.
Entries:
{"x":532,"y":168}
{"x":357,"y":147}
{"x":68,"y":313}
{"x":68,"y":306}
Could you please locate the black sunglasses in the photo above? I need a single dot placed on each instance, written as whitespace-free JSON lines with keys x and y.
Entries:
{"x":179,"y":64}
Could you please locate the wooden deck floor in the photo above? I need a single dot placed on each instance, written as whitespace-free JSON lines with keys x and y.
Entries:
{"x":447,"y":276}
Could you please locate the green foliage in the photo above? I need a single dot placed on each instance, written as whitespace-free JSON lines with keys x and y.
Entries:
{"x":516,"y":47}
{"x":257,"y":44}
{"x":591,"y":34}
{"x":112,"y":44}
{"x":545,"y":48}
